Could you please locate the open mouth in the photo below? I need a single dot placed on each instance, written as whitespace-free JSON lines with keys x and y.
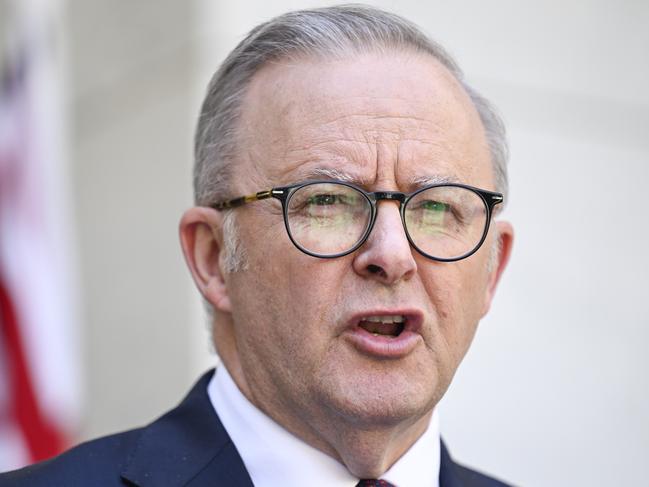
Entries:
{"x":385,"y":336}
{"x":387,"y":325}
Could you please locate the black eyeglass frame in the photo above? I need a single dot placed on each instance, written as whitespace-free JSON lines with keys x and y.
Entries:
{"x":284,"y":193}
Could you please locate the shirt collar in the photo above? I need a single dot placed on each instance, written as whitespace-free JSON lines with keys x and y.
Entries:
{"x":274,"y":457}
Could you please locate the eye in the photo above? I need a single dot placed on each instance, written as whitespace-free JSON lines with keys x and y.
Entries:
{"x":436,"y":206}
{"x":433,"y":207}
{"x":325,"y":199}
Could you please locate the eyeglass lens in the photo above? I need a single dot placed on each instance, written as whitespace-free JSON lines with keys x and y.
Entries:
{"x":330,"y":218}
{"x":446,"y":221}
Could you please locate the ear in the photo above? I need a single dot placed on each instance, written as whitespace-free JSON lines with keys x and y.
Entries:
{"x":505,"y":234}
{"x":201,"y":238}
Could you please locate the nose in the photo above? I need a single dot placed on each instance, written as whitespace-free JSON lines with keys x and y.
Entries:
{"x":386,"y":255}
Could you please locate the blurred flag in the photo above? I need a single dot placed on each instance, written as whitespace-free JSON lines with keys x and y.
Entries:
{"x":39,"y":373}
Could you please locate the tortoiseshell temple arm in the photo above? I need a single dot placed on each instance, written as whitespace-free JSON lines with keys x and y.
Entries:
{"x":242,"y":200}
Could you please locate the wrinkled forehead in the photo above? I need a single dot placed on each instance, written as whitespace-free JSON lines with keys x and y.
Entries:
{"x":393,"y":117}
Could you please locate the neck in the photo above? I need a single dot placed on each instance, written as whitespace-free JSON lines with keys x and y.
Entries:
{"x":367,"y":450}
{"x":369,"y":453}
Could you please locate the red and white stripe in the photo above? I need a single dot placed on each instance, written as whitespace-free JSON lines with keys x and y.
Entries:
{"x":39,"y":343}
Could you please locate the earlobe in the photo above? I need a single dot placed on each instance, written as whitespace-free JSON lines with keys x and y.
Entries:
{"x":505,"y":235}
{"x":200,"y":231}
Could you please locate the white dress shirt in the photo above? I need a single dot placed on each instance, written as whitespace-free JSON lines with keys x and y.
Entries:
{"x":274,"y":457}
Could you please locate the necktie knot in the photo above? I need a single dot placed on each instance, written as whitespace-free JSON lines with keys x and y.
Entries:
{"x":374,"y":483}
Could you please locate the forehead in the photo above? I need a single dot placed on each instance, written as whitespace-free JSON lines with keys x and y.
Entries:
{"x":378,"y":118}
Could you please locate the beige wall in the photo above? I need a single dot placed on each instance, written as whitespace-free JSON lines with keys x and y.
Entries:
{"x":554,"y":390}
{"x":131,"y":78}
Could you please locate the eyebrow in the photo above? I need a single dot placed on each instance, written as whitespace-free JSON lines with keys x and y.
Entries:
{"x":421,"y":181}
{"x":339,"y":175}
{"x":330,"y":173}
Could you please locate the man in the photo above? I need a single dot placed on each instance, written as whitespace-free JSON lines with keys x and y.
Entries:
{"x":346,"y":284}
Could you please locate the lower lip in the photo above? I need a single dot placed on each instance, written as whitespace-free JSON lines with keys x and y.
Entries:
{"x":383,"y":346}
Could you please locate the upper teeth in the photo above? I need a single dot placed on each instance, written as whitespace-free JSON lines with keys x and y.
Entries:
{"x":385,"y":319}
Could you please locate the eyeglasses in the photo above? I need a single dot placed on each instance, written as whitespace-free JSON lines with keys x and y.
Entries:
{"x":327,"y":219}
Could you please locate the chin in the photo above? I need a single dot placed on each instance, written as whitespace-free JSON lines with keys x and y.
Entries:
{"x":381,"y":398}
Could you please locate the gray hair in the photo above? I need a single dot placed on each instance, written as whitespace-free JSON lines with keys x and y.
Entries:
{"x":234,"y":253}
{"x":325,"y":32}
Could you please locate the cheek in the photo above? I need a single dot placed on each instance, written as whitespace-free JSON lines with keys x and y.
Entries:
{"x":456,"y":293}
{"x":288,"y":306}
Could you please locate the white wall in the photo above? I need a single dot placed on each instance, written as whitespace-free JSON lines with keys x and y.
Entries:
{"x":554,"y":390}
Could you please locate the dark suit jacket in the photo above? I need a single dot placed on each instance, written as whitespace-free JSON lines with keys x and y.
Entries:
{"x":186,"y":446}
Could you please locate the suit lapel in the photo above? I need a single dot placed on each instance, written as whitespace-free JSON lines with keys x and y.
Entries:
{"x":187,"y":446}
{"x":448,"y":474}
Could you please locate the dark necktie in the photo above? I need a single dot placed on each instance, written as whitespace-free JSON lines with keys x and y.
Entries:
{"x":373,"y":483}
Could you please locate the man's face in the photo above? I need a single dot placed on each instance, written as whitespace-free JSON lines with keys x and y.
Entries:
{"x":386,"y":122}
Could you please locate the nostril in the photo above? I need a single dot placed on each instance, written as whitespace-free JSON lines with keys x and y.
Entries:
{"x":375,"y":269}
